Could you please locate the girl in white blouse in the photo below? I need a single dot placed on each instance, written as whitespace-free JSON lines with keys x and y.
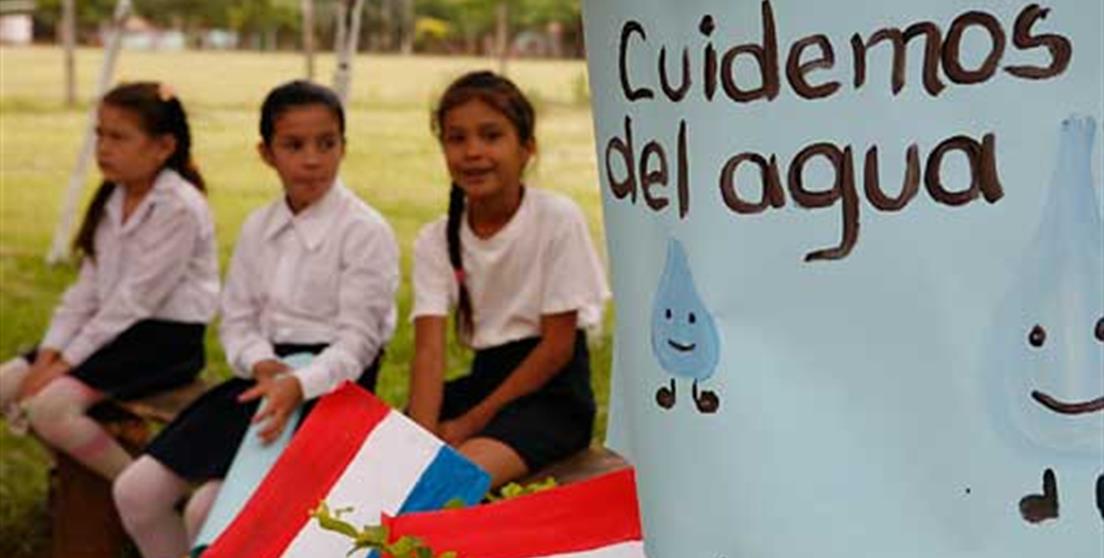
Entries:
{"x":314,"y":271}
{"x":133,"y":323}
{"x":518,"y":266}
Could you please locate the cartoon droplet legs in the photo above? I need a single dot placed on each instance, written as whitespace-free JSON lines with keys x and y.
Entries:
{"x":1100,"y":495}
{"x":684,"y":337}
{"x":1036,"y":508}
{"x":665,"y":396}
{"x":706,"y":401}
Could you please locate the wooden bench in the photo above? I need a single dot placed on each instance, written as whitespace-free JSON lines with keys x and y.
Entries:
{"x":84,"y":522}
{"x":589,"y":463}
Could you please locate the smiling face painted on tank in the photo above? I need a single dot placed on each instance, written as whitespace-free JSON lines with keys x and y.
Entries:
{"x":684,"y":335}
{"x":1050,"y":329}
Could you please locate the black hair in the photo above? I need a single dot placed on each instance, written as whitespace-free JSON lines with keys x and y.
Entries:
{"x":294,"y":94}
{"x":160,"y":113}
{"x":501,"y":94}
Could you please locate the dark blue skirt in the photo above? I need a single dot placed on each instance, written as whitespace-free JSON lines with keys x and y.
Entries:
{"x":201,"y":443}
{"x":148,"y":357}
{"x":543,"y":427}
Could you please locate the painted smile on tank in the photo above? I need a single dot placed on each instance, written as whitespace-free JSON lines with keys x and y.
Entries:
{"x":1067,"y":408}
{"x":1036,"y":338}
{"x":680,"y":347}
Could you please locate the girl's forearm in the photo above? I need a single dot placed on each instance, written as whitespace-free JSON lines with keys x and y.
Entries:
{"x":542,"y":364}
{"x":427,"y":373}
{"x":426,"y":393}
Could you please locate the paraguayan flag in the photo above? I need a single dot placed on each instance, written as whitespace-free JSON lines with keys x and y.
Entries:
{"x":352,"y":451}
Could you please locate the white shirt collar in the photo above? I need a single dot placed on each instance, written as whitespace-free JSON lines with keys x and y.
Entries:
{"x":162,"y":185}
{"x":313,"y":222}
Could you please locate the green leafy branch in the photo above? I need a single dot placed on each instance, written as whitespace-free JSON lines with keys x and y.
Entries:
{"x":513,"y":489}
{"x":375,"y":537}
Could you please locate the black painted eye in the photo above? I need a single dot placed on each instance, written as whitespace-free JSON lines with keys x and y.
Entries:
{"x":1100,"y":330}
{"x":706,"y":25}
{"x":1037,"y":336}
{"x":667,"y":314}
{"x":693,"y":318}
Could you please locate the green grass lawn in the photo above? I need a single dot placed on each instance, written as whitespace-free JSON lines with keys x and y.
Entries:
{"x":392,"y":162}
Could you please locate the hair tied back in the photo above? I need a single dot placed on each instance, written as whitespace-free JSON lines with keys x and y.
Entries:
{"x":165,"y":92}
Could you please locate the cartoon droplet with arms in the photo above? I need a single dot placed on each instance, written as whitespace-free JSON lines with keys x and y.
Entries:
{"x":1049,"y":331}
{"x":684,"y":335}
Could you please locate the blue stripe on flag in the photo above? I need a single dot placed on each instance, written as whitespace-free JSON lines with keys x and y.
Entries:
{"x":449,"y":476}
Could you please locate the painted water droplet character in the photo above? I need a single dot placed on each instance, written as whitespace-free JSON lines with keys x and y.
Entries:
{"x":684,"y":335}
{"x":1049,"y":332}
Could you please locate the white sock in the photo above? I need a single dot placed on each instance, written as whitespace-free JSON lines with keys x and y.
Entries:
{"x":199,"y":506}
{"x":57,"y":414}
{"x":146,"y":494}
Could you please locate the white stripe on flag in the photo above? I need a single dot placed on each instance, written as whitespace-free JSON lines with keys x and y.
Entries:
{"x":377,"y":480}
{"x":631,"y":549}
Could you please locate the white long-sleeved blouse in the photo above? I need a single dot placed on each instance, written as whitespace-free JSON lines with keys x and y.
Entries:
{"x":161,"y":263}
{"x":327,"y":275}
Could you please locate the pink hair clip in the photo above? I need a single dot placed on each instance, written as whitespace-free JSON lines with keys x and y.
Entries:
{"x":459,"y":275}
{"x":165,"y":92}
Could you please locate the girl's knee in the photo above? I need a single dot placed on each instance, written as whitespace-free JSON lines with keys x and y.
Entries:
{"x":127,"y":492}
{"x":499,"y":460}
{"x":199,"y":507}
{"x":12,"y":374}
{"x":46,"y":409}
{"x":59,"y":400}
{"x":131,"y":501}
{"x":146,"y":489}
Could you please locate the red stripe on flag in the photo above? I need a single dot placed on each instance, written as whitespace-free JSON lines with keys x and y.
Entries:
{"x":583,"y":516}
{"x":304,"y":474}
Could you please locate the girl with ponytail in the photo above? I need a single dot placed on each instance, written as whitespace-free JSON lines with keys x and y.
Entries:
{"x":518,"y":267}
{"x":133,"y":322}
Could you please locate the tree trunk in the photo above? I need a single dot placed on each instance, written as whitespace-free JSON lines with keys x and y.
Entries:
{"x":307,"y":7}
{"x":341,"y":12}
{"x":348,"y":31}
{"x":471,"y":43}
{"x":407,"y":36}
{"x":69,"y":39}
{"x":502,"y":14}
{"x":386,"y":26}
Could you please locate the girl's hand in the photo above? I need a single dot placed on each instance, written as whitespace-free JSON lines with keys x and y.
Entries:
{"x":268,"y":369}
{"x":433,"y":426}
{"x":40,"y":376}
{"x":282,"y":396}
{"x":461,"y":429}
{"x":46,"y":356}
